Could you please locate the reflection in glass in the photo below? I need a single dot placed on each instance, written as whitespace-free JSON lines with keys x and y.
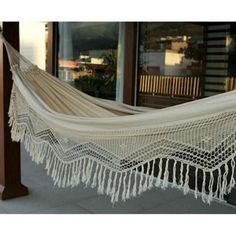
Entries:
{"x":170,"y":67}
{"x":170,"y":49}
{"x":88,"y":56}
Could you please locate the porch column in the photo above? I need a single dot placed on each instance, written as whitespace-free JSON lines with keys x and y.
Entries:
{"x":10,"y":168}
{"x":130,"y":62}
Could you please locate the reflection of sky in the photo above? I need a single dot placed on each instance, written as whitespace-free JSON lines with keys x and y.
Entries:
{"x":81,"y":37}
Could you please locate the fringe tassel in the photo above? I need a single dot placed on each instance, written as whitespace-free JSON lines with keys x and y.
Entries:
{"x":181,"y":174}
{"x":129,"y":183}
{"x":145,"y":186}
{"x":196,"y":183}
{"x":232,"y":180}
{"x":210,"y":188}
{"x":103,"y":181}
{"x":94,"y":183}
{"x":186,"y":180}
{"x":224,"y":183}
{"x":158,"y":180}
{"x":65,"y":167}
{"x":113,"y":191}
{"x":118,"y":188}
{"x":108,"y":190}
{"x":151,"y":178}
{"x":219,"y":185}
{"x":134,"y":191}
{"x":166,"y":176}
{"x":79,"y":170}
{"x":204,"y":187}
{"x":85,"y":163}
{"x":100,"y":179}
{"x":124,"y":187}
{"x":140,"y":190}
{"x":174,"y":175}
{"x":89,"y":173}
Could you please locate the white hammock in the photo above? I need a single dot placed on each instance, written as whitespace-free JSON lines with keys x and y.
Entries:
{"x":119,"y":149}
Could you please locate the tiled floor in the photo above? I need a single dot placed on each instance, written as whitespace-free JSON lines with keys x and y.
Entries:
{"x":44,"y":198}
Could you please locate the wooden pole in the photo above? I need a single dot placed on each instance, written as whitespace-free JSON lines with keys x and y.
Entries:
{"x":10,"y":168}
{"x":130,"y":62}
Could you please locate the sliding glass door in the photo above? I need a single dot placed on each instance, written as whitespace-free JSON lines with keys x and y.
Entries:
{"x":170,"y":64}
{"x":89,"y":58}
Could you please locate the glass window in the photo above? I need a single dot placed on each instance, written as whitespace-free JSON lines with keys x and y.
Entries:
{"x":170,"y":65}
{"x":171,"y":49}
{"x":88,"y":56}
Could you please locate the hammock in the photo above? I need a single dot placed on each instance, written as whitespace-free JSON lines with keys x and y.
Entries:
{"x":122,"y":150}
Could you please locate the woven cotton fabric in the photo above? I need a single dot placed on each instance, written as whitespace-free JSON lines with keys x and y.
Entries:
{"x":122,"y":150}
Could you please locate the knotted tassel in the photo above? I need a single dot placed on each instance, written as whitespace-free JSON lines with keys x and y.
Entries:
{"x":129,"y":183}
{"x":158,"y":180}
{"x":108,"y":190}
{"x":68,"y":183}
{"x":113,"y":191}
{"x":85,"y":163}
{"x":124,"y":187}
{"x":94,"y":183}
{"x":140,"y":190}
{"x":87,"y":169}
{"x":224,"y":183}
{"x":134,"y":191}
{"x":58,"y":175}
{"x":174,"y":175}
{"x":232,"y":180}
{"x":65,"y":176}
{"x":166,"y":176}
{"x":118,"y":188}
{"x":151,"y":178}
{"x":103,"y":180}
{"x":196,"y":183}
{"x":186,"y":180}
{"x":89,"y":173}
{"x":210,"y":188}
{"x":181,"y":174}
{"x":100,"y":179}
{"x":145,"y":186}
{"x":204,"y":187}
{"x":219,"y":185}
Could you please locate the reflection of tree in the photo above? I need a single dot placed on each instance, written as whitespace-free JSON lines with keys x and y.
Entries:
{"x":193,"y":52}
{"x":110,"y":74}
{"x":102,"y":81}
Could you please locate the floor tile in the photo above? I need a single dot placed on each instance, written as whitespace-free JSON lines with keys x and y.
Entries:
{"x":190,"y":205}
{"x":103,"y":205}
{"x":2,"y":210}
{"x":157,"y":196}
{"x":46,"y":198}
{"x":64,"y":209}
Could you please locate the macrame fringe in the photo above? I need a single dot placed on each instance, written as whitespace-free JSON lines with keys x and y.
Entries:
{"x":124,"y":185}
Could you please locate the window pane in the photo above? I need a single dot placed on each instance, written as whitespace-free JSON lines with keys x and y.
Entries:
{"x":171,"y":49}
{"x":170,"y":66}
{"x":88,"y":56}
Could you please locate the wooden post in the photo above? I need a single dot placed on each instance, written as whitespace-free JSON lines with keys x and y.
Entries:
{"x":52,"y":55}
{"x":10,"y":169}
{"x":130,"y":62}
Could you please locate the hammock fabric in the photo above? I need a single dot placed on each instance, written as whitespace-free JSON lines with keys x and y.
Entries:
{"x":119,"y":149}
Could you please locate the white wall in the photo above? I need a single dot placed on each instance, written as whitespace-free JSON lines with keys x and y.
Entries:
{"x":32,"y":42}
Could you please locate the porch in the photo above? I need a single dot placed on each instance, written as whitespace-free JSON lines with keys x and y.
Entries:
{"x":45,"y":198}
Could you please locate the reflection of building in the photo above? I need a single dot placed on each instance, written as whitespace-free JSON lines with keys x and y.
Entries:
{"x":165,"y":56}
{"x":71,"y":70}
{"x":167,"y":63}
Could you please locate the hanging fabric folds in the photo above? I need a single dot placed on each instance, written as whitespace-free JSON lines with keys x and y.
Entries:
{"x":121,"y":150}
